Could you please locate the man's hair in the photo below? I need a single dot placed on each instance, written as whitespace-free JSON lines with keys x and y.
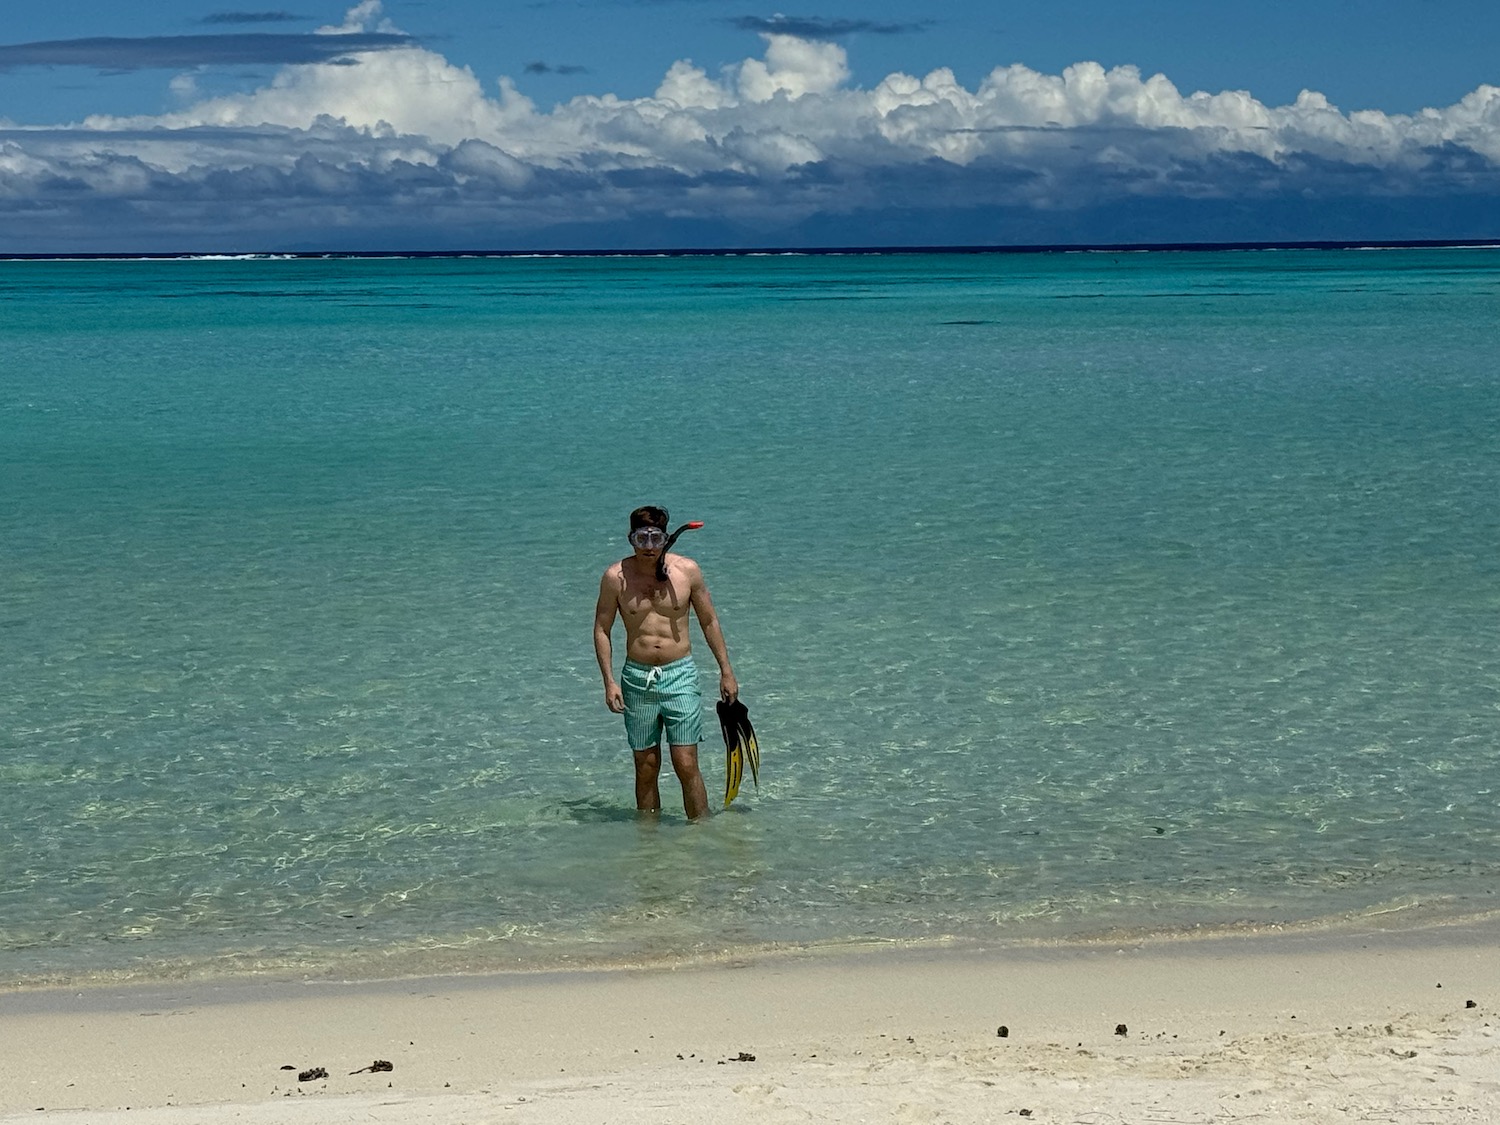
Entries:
{"x":649,"y":516}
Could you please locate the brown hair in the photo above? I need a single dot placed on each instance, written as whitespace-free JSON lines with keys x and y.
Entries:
{"x":649,"y":516}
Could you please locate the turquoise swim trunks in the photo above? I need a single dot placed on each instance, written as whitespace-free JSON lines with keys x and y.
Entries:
{"x":662,"y":697}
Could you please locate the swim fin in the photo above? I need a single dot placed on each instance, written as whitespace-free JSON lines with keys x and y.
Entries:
{"x":740,"y":744}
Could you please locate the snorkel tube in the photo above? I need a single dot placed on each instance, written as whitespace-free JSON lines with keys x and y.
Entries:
{"x":661,"y":561}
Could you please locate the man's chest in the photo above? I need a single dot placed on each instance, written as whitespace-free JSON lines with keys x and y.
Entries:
{"x":658,"y":599}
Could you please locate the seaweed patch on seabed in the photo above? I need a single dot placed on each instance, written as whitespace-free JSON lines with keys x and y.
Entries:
{"x":949,"y":323}
{"x":259,"y":294}
{"x":393,"y":305}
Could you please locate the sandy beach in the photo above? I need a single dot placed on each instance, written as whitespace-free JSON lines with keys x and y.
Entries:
{"x":1396,"y":1027}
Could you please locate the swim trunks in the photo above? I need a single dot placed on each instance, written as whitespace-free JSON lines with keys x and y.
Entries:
{"x":662,"y":696}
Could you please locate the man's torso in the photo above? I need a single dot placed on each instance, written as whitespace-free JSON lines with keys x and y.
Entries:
{"x":655,"y":613}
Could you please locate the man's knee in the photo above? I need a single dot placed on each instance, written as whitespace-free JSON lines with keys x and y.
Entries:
{"x":685,"y":760}
{"x":648,"y":762}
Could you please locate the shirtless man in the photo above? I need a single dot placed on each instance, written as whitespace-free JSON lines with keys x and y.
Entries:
{"x":658,"y":687}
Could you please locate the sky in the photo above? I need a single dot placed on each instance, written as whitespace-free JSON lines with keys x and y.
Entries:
{"x":235,"y":126}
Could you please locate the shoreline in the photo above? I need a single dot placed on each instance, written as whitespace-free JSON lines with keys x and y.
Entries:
{"x":457,"y":957}
{"x":1248,"y":1025}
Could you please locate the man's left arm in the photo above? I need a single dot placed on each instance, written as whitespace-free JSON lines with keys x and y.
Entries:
{"x":708,"y":620}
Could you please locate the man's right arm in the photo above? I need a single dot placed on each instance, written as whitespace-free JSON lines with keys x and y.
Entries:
{"x":605,"y":611}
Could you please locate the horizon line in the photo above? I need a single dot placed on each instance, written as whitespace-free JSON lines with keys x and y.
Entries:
{"x":757,"y":251}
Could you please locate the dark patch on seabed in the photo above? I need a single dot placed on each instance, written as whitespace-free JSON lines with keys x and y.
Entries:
{"x":1203,"y":293}
{"x":947,"y":323}
{"x":842,"y":297}
{"x":263,"y":294}
{"x":597,"y":811}
{"x":392,"y":305}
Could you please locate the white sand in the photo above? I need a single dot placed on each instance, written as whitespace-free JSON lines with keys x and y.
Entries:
{"x":1268,"y":1029}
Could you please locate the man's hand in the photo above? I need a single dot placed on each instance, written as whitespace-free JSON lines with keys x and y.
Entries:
{"x":614,"y":698}
{"x":729,"y":687}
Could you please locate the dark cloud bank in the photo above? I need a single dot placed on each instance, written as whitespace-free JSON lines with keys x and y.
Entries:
{"x":320,"y":205}
{"x":251,"y":18}
{"x":813,"y":27}
{"x":182,"y":52}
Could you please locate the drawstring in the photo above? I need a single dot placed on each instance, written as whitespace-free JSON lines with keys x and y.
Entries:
{"x":652,"y":676}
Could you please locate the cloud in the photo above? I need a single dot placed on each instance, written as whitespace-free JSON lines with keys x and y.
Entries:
{"x":178,"y":51}
{"x":792,"y":67}
{"x":549,"y":68}
{"x":815,"y":28}
{"x":251,"y":17}
{"x":408,"y":149}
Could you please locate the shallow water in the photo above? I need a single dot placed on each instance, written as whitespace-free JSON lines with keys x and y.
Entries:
{"x":1069,"y":593}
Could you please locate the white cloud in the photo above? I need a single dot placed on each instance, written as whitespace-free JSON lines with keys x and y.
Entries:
{"x":184,"y":87}
{"x":771,"y":139}
{"x":364,"y":16}
{"x":793,"y":67}
{"x":408,"y":90}
{"x":687,"y":87}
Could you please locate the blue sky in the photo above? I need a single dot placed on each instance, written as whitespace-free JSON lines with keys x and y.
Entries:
{"x":636,"y":123}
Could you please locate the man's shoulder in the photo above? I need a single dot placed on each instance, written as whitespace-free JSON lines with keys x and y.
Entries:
{"x":614,"y":573}
{"x":688,"y":565}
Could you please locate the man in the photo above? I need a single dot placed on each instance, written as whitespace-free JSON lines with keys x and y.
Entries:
{"x":658,"y":687}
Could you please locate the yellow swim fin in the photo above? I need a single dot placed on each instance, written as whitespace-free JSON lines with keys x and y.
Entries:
{"x":739,"y":743}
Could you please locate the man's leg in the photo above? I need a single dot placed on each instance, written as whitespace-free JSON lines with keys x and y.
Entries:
{"x":694,"y":795}
{"x":647,"y":769}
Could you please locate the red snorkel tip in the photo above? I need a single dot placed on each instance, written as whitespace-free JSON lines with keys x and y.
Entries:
{"x":694,"y":525}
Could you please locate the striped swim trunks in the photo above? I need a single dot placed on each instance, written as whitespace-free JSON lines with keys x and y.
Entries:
{"x":662,"y":697}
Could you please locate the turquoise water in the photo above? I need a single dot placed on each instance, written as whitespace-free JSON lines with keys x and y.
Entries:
{"x":1070,"y":593}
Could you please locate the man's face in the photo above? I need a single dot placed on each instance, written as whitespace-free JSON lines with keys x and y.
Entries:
{"x":648,"y":541}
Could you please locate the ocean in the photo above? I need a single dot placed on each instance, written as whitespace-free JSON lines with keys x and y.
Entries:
{"x":1073,"y":595}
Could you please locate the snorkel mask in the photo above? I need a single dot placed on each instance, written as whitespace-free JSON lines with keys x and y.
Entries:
{"x":648,"y":537}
